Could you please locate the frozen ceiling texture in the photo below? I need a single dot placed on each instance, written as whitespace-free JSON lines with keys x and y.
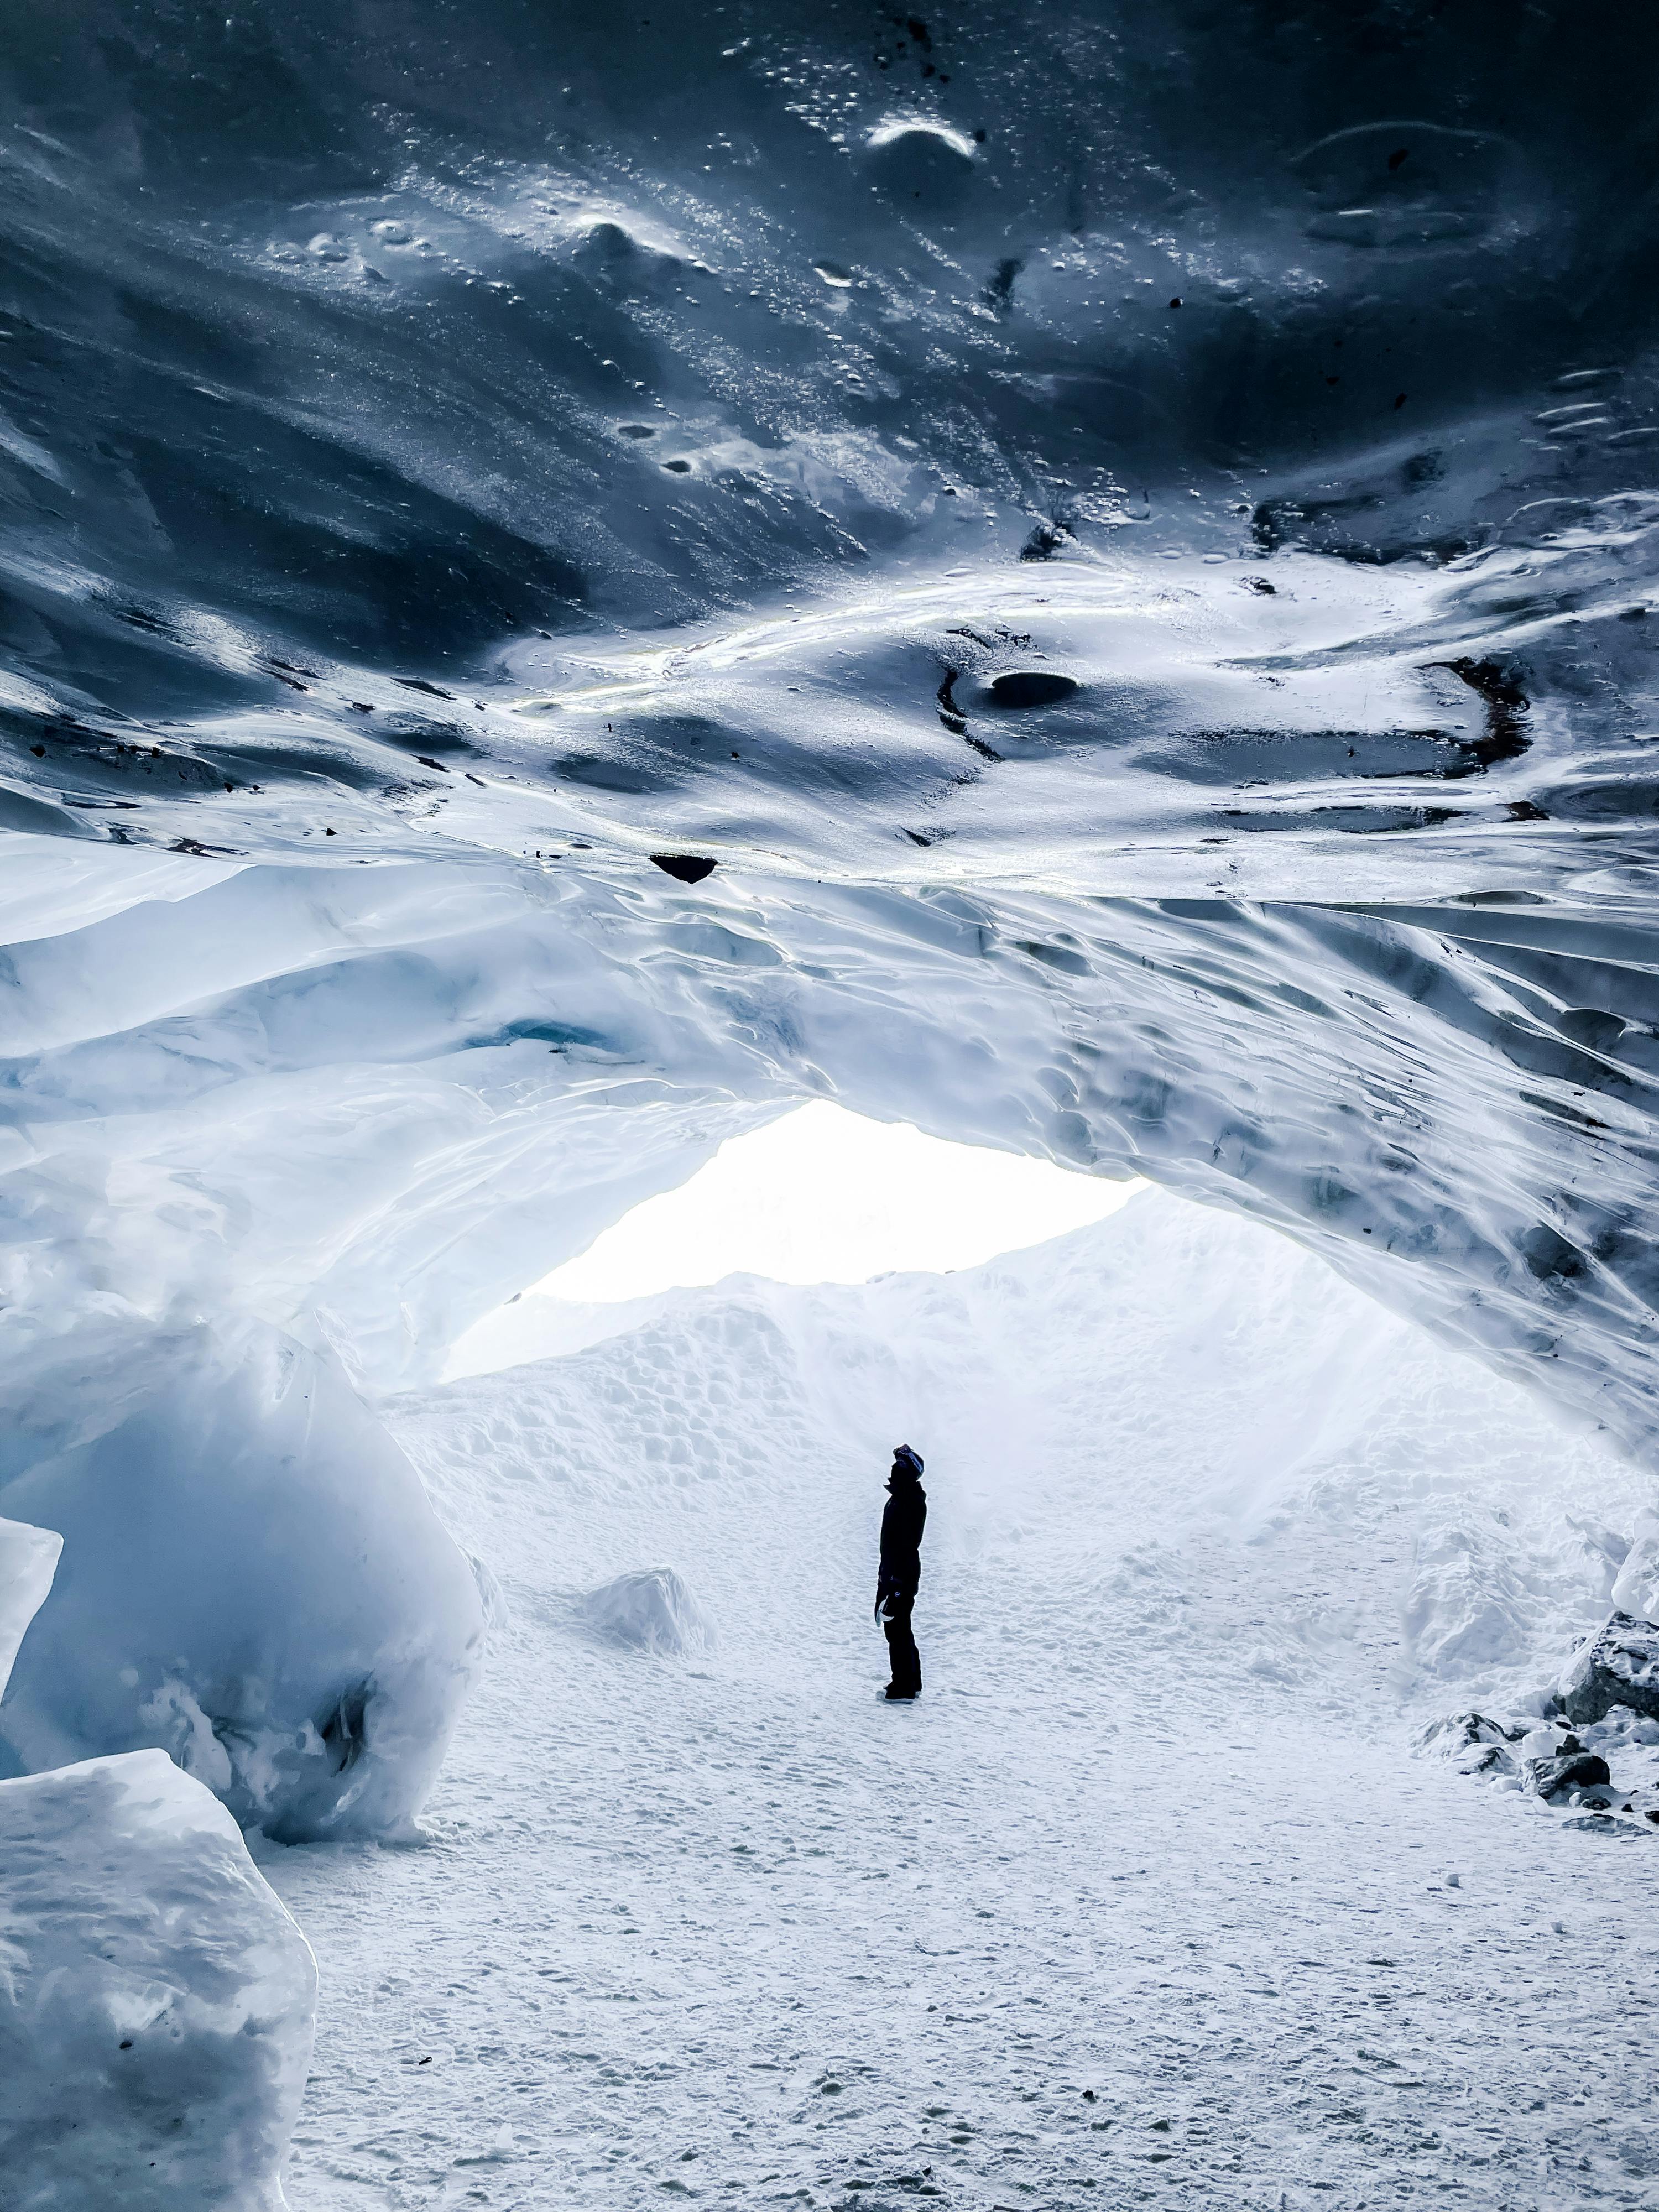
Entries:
{"x":1111,"y":552}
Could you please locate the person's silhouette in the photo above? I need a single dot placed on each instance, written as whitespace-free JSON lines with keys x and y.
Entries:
{"x":900,"y":1575}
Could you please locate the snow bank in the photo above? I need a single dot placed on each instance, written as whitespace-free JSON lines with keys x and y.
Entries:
{"x":252,"y":1580}
{"x":652,"y":1610}
{"x":155,"y":1999}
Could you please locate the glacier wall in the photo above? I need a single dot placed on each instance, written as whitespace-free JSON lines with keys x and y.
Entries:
{"x":252,"y":1580}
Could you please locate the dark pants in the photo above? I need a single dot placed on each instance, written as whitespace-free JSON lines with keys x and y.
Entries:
{"x":907,"y":1660}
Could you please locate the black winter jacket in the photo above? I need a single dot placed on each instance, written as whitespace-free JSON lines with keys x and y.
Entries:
{"x":902,"y":1524}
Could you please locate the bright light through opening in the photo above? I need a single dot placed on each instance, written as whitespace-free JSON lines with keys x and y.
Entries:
{"x":825,"y":1196}
{"x":821,"y":1196}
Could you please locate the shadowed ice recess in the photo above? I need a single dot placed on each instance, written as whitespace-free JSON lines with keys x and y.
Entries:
{"x":1114,"y":553}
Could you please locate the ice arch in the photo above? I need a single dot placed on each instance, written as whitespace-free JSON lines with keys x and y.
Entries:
{"x":362,"y":1106}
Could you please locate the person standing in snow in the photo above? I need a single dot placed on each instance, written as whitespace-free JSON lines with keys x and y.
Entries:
{"x":900,"y":1574}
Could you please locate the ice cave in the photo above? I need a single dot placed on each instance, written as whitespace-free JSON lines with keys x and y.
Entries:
{"x":638,"y":649}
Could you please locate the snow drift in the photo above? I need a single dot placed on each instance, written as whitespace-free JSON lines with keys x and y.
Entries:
{"x":1211,"y":1538}
{"x":1169,"y":1398}
{"x":650,"y":1609}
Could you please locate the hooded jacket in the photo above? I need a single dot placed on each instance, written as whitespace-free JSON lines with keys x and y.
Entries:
{"x":902,"y":1524}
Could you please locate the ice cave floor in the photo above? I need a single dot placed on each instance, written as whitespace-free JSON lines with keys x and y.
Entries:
{"x":1150,"y":1899}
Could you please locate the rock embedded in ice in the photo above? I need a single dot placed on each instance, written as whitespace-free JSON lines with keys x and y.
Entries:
{"x":252,"y":1580}
{"x":156,"y":2001}
{"x":684,"y":867}
{"x":651,"y":1611}
{"x":1603,"y":1824}
{"x":1617,"y":1666}
{"x":1576,"y":1770}
{"x":1477,"y":1744}
{"x":1031,"y":686}
{"x":29,"y":1559}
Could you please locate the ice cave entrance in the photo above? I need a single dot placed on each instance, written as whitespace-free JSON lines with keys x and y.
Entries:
{"x":821,"y":1196}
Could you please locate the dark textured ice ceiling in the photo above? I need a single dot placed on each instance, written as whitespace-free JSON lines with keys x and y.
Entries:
{"x":1127,"y":533}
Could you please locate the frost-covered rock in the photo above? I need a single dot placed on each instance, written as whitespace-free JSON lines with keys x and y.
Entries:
{"x":28,"y":1559}
{"x":652,"y":1610}
{"x":156,"y":1999}
{"x":251,"y":1579}
{"x":1604,"y":1824}
{"x":1476,"y":1744}
{"x":1573,"y":1769}
{"x":1617,"y":1666}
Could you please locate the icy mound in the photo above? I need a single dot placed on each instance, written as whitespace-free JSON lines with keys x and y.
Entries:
{"x":652,"y":1611}
{"x":155,"y":1999}
{"x":29,"y":1559}
{"x":252,"y":1580}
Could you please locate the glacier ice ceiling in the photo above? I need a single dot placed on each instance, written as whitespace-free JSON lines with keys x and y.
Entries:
{"x":1085,"y":577}
{"x":1130,"y":544}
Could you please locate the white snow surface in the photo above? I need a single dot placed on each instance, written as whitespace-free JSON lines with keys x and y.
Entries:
{"x":252,"y":1580}
{"x":1150,"y":1897}
{"x":156,"y":2001}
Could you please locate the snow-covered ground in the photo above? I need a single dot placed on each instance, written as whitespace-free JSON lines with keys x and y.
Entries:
{"x":1149,"y":1897}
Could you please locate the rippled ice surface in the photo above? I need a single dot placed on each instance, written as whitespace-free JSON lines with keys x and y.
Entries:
{"x":1146,"y":1898}
{"x":1147,"y":453}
